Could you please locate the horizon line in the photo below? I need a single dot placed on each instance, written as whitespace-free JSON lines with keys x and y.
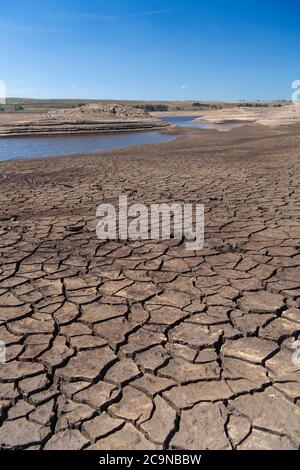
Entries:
{"x":153,"y":99}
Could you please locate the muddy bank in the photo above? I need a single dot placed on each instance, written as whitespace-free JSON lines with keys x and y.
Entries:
{"x":48,"y":129}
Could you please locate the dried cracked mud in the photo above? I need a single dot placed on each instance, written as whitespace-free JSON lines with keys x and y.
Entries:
{"x":144,"y":345}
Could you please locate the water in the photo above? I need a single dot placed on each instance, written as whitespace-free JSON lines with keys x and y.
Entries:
{"x":189,"y":121}
{"x":29,"y":147}
{"x":184,"y":121}
{"x":53,"y":146}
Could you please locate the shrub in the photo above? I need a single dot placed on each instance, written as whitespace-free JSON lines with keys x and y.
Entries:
{"x":202,"y":105}
{"x":18,"y":107}
{"x":150,"y":108}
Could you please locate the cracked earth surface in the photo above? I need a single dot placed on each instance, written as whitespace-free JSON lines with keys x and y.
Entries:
{"x":143,"y":345}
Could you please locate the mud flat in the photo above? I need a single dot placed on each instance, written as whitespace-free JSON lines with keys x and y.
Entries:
{"x":143,"y":345}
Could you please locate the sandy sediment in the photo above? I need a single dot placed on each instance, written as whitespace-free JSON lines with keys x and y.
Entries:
{"x":268,"y":116}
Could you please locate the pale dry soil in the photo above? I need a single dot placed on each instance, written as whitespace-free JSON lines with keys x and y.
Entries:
{"x":144,"y":345}
{"x":286,"y":114}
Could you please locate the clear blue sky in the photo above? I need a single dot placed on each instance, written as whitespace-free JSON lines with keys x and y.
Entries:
{"x":154,"y":49}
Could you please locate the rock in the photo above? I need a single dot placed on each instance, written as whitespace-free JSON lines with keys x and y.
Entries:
{"x":97,"y":112}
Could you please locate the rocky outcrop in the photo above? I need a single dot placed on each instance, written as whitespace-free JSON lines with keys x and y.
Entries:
{"x":88,"y":119}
